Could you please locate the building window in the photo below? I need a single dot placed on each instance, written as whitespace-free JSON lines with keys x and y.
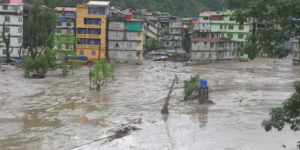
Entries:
{"x":203,"y":24}
{"x":7,"y":19}
{"x":129,"y":44}
{"x":202,"y":54}
{"x":93,"y":53}
{"x":115,"y":53}
{"x":20,"y":19}
{"x":241,"y":27}
{"x":209,"y":55}
{"x":59,"y":31}
{"x":116,"y":34}
{"x":221,"y":26}
{"x":241,"y":36}
{"x":117,"y":24}
{"x":212,"y":45}
{"x":7,"y":29}
{"x":229,"y":36}
{"x":129,"y":34}
{"x":222,"y":35}
{"x":20,"y":40}
{"x":225,"y":26}
{"x":225,"y":44}
{"x":116,"y":45}
{"x":68,"y":24}
{"x":81,"y":52}
{"x":167,"y":43}
{"x":212,"y":36}
{"x":177,"y":30}
{"x":4,"y":51}
{"x":230,"y":27}
{"x":231,"y":19}
{"x":129,"y":55}
{"x":92,"y":42}
{"x":20,"y":30}
{"x":69,"y":30}
{"x":233,"y":44}
{"x":5,"y":7}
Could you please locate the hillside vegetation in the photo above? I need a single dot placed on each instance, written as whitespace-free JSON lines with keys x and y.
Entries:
{"x":182,"y":8}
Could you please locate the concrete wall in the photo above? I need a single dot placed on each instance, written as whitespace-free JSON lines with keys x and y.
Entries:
{"x":18,"y":8}
{"x":201,"y":51}
{"x":64,"y":24}
{"x":172,"y":43}
{"x":122,"y":55}
{"x":122,"y":45}
{"x":116,"y":25}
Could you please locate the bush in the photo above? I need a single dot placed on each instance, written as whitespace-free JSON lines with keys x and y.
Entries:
{"x":38,"y":65}
{"x":191,"y":86}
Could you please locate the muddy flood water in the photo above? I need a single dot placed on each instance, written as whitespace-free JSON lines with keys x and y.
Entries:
{"x":61,"y":113}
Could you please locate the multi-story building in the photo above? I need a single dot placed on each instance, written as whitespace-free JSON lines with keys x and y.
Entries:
{"x":210,"y":47}
{"x":11,"y":15}
{"x":171,"y":31}
{"x":125,"y":39}
{"x":204,"y":21}
{"x":226,"y":25}
{"x":91,"y":29}
{"x":66,"y":20}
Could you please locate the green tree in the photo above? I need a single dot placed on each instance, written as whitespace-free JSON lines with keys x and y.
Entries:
{"x":152,"y":44}
{"x":39,"y":36}
{"x":268,"y":40}
{"x":6,"y":41}
{"x":102,"y":72}
{"x":64,"y":45}
{"x":191,"y":87}
{"x":186,"y":42}
{"x":287,"y":114}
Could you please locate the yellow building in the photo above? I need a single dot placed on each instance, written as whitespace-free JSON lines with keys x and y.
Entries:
{"x":91,"y":29}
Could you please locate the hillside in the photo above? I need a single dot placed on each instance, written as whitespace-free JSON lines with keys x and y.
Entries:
{"x":183,"y":8}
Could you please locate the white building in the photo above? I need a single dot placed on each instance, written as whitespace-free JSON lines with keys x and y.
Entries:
{"x":11,"y":14}
{"x":66,"y":20}
{"x":205,"y":19}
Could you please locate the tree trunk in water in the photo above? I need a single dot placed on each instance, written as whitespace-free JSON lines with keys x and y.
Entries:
{"x":98,"y":86}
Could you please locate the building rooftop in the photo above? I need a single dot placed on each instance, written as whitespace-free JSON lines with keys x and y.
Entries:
{"x":65,"y":9}
{"x":16,"y":1}
{"x":99,"y":3}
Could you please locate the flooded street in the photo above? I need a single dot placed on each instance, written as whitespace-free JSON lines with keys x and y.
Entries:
{"x":61,"y":113}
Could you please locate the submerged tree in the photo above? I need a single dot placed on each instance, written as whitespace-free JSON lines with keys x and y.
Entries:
{"x":186,"y":42}
{"x":64,"y":45}
{"x":152,"y":44}
{"x":6,"y":41}
{"x":39,"y":39}
{"x":191,"y":87}
{"x":103,"y":72}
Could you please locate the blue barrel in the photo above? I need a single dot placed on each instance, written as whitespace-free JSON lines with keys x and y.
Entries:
{"x":203,"y":83}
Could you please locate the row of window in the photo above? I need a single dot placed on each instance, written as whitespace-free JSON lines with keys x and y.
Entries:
{"x":210,"y":54}
{"x":116,"y":45}
{"x":129,"y":55}
{"x":212,"y":45}
{"x":5,"y":7}
{"x":118,"y":34}
{"x":240,"y":36}
{"x":81,"y":52}
{"x":7,"y":30}
{"x":7,"y":19}
{"x":231,"y":27}
{"x":60,"y":23}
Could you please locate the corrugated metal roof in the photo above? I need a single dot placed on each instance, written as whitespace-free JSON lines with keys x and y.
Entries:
{"x":101,"y":3}
{"x":16,"y":1}
{"x":128,"y":13}
{"x":65,"y":8}
{"x":195,"y":18}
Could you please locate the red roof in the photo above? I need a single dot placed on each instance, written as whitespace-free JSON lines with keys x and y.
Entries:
{"x":65,"y":8}
{"x":128,"y":13}
{"x":16,"y":1}
{"x":195,"y":21}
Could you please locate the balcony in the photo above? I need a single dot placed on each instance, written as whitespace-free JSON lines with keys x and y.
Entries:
{"x":78,"y":46}
{"x":97,"y":36}
{"x":96,"y":16}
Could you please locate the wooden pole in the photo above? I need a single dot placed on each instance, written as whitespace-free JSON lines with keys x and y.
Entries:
{"x":165,"y":107}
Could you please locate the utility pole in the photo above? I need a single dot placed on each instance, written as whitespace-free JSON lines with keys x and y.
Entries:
{"x":165,"y":107}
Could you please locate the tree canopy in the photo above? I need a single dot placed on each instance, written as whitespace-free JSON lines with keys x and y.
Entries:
{"x":285,"y":13}
{"x":186,"y":8}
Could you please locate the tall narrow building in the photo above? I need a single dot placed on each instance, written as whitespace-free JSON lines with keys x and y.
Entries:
{"x":11,"y":14}
{"x":91,"y":29}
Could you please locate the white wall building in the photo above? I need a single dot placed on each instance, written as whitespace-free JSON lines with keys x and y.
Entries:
{"x":296,"y":60}
{"x":11,"y":15}
{"x":204,"y":25}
